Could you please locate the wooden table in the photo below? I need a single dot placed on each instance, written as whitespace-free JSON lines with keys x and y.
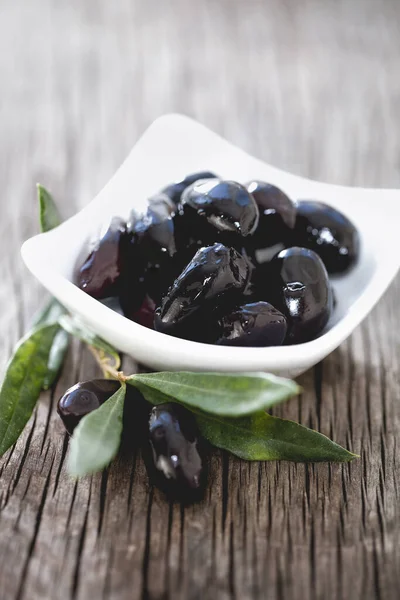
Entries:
{"x":311,"y":86}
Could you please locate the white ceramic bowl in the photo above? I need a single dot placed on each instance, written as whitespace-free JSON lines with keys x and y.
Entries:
{"x":172,"y":147}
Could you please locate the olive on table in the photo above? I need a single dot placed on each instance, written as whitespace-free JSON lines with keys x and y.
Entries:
{"x":226,"y":205}
{"x":174,"y":190}
{"x":82,"y":398}
{"x":329,"y":233}
{"x":173,"y":438}
{"x":255,"y":324}
{"x":277,"y":214}
{"x":210,"y":285}
{"x":296,"y":283}
{"x":99,"y":275}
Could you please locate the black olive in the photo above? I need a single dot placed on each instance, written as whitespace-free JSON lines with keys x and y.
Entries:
{"x":297,"y":283}
{"x":226,"y":221}
{"x":256,"y":324}
{"x":132,"y":289}
{"x":174,"y":190}
{"x":211,"y":284}
{"x":83,"y":398}
{"x":173,"y":437}
{"x":329,"y":233}
{"x":277,"y":215}
{"x":226,"y":205}
{"x":151,"y":262}
{"x":193,"y":232}
{"x":99,"y":275}
{"x":155,"y":232}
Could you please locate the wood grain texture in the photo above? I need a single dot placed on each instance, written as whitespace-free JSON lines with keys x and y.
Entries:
{"x":309,"y":86}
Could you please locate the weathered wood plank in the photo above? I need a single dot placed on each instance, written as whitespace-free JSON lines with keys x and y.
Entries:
{"x":309,"y":86}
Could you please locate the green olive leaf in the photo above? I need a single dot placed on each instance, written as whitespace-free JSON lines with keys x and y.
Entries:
{"x":37,"y":358}
{"x":228,"y":394}
{"x":56,"y":357}
{"x":49,"y":217}
{"x":23,"y":381}
{"x":263,"y":437}
{"x":97,"y":438}
{"x":107,"y":354}
{"x":50,"y":315}
{"x":154,"y":396}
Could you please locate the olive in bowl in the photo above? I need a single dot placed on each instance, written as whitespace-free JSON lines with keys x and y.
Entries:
{"x":174,"y":190}
{"x":329,"y":233}
{"x":99,"y":275}
{"x":210,"y":285}
{"x":277,"y":214}
{"x":226,"y":205}
{"x":296,"y":283}
{"x":258,"y":324}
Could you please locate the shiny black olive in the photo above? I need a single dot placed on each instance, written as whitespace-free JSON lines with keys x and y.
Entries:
{"x":277,"y":215}
{"x":329,"y":233}
{"x":211,"y":284}
{"x":155,"y":232}
{"x":297,"y":283}
{"x":132,"y":289}
{"x":83,"y":398}
{"x":256,"y":324}
{"x":132,"y":295}
{"x":192,"y":232}
{"x":99,"y":275}
{"x":174,"y":190}
{"x":242,"y":244}
{"x":173,"y":437}
{"x":226,"y":205}
{"x":152,"y":262}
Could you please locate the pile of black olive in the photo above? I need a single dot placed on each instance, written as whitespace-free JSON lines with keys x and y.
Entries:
{"x":223,"y":263}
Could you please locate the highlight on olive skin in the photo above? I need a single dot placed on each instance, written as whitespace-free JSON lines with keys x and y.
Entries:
{"x":221,"y":262}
